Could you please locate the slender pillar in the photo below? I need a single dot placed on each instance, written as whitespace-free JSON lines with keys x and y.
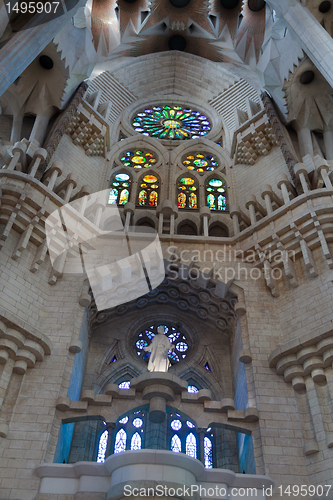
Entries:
{"x":301,"y":173}
{"x":19,"y":150}
{"x":39,"y":155}
{"x":328,"y":141}
{"x":160,"y":223}
{"x":305,"y":142}
{"x":56,"y":171}
{"x":205,"y":216}
{"x":17,"y":127}
{"x":283,"y":185}
{"x":39,"y":129}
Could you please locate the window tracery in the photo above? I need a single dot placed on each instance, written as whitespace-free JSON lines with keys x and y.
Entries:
{"x":171,"y":122}
{"x":120,"y":189}
{"x":200,"y":162}
{"x":175,"y":336}
{"x":216,"y":194}
{"x":149,"y":191}
{"x":187,"y":189}
{"x":138,"y":158}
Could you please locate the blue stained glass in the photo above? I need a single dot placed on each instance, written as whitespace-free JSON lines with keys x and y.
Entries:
{"x":191,"y":446}
{"x":173,"y":356}
{"x":137,"y":422}
{"x":190,"y":425}
{"x":170,"y":122}
{"x":181,"y":346}
{"x":120,"y":441}
{"x":173,"y":336}
{"x":113,"y":196}
{"x":136,"y":442}
{"x":141,"y":344}
{"x":125,"y":385}
{"x":123,"y":420}
{"x":103,"y":441}
{"x":176,"y":425}
{"x":192,"y":389}
{"x":208,"y":453}
{"x":176,"y":444}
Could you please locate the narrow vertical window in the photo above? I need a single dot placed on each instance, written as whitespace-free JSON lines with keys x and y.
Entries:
{"x":191,"y":446}
{"x":176,"y":444}
{"x":120,"y":189}
{"x":136,"y":442}
{"x":103,"y":441}
{"x":208,"y":453}
{"x":120,"y":441}
{"x":149,"y":191}
{"x":187,"y":193}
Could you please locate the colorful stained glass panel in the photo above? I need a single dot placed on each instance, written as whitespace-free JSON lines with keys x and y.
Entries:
{"x":171,"y":122}
{"x":138,"y":159}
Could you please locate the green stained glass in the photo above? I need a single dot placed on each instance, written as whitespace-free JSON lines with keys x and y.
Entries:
{"x":138,"y":159}
{"x":201,"y":162}
{"x":171,"y":122}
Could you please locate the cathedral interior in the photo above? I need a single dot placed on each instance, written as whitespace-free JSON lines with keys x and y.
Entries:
{"x":195,"y":348}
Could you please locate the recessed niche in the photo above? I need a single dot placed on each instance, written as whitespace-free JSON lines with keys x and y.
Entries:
{"x":307,"y":77}
{"x":229,"y":4}
{"x":177,"y":42}
{"x":325,"y":6}
{"x":46,"y":62}
{"x":256,"y":5}
{"x":179,"y":3}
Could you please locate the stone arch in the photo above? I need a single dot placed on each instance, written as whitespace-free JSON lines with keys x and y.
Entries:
{"x":218,"y":229}
{"x":145,"y":222}
{"x":191,"y":220}
{"x":202,"y":145}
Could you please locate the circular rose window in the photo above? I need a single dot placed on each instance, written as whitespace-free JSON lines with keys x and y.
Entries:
{"x":171,"y":122}
{"x":178,"y":339}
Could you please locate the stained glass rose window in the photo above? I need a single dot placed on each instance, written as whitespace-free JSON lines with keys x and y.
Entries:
{"x":171,"y":122}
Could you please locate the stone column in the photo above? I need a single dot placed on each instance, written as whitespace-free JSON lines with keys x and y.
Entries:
{"x":17,"y":126}
{"x":323,"y":169}
{"x":39,"y":129}
{"x":266,"y":195}
{"x":283,"y":185}
{"x":55,"y":171}
{"x":235,"y":215}
{"x":39,"y":155}
{"x":71,"y":185}
{"x":251,"y":206}
{"x":18,"y":151}
{"x":328,"y":141}
{"x":129,"y":209}
{"x":302,"y":173}
{"x":205,"y":216}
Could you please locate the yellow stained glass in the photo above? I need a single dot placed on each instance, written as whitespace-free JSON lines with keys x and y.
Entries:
{"x":138,"y":159}
{"x":150,"y":179}
{"x":123,"y":197}
{"x":153,"y":199}
{"x":192,"y":203}
{"x":181,"y":200}
{"x":188,"y":181}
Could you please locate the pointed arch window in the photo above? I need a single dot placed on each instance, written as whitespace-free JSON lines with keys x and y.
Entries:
{"x":149,"y":190}
{"x":187,"y":193}
{"x":120,"y":189}
{"x":176,"y":444}
{"x":191,"y":445}
{"x":136,"y":442}
{"x":120,"y":441}
{"x":103,"y":441}
{"x":216,"y":194}
{"x":208,"y":453}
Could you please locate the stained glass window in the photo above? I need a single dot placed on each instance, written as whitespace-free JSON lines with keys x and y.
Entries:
{"x":125,"y":385}
{"x":216,"y":194}
{"x":149,"y":191}
{"x":200,"y":162}
{"x":187,"y":193}
{"x":120,"y":189}
{"x":191,"y":446}
{"x":192,"y":389}
{"x":171,"y":122}
{"x":138,"y":159}
{"x":208,"y":453}
{"x":136,"y":442}
{"x":176,"y":425}
{"x":137,"y":422}
{"x":145,"y":336}
{"x":190,"y":425}
{"x":103,"y":441}
{"x":123,"y":420}
{"x":120,"y":441}
{"x":176,"y":444}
